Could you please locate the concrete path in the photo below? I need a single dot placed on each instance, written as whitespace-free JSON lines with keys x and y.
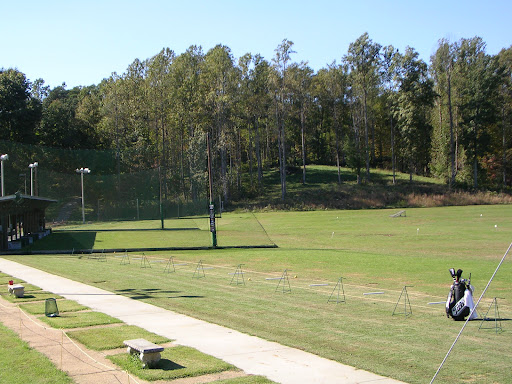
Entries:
{"x":253,"y":355}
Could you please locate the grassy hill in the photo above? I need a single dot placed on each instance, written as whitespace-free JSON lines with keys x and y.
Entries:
{"x":323,"y":191}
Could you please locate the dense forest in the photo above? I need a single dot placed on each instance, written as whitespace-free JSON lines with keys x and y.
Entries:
{"x":378,"y":107}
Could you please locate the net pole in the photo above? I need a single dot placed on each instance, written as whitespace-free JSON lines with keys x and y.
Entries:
{"x":211,"y":207}
{"x":469,"y":317}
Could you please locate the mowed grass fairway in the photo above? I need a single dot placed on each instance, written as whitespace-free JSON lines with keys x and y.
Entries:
{"x":372,"y":251}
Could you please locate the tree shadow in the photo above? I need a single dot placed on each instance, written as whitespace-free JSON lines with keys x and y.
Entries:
{"x":66,"y":240}
{"x":136,"y":229}
{"x":144,"y":293}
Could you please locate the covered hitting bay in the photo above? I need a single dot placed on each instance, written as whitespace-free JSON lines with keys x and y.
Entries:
{"x":22,"y":219}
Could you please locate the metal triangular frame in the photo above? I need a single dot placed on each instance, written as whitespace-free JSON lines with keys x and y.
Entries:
{"x":144,"y":262}
{"x":199,"y":272}
{"x":407,"y":302}
{"x":125,"y":259}
{"x":100,"y":257}
{"x":497,"y":318}
{"x":286,"y":282}
{"x":337,"y":288}
{"x":103,"y":256}
{"x":169,"y":265}
{"x":239,"y":275}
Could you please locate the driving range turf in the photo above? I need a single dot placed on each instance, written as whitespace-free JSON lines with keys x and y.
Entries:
{"x":372,"y":251}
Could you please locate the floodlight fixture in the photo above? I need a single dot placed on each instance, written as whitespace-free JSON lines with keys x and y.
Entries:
{"x":33,"y":168}
{"x":2,"y":159}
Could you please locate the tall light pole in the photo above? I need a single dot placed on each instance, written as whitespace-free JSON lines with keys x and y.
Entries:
{"x":2,"y":159}
{"x":81,"y":171}
{"x":32,"y":167}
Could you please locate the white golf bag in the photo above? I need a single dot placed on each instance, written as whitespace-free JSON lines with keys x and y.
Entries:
{"x":460,"y":299}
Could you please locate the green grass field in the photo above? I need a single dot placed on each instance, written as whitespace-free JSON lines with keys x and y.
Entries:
{"x":372,"y":251}
{"x":22,"y":364}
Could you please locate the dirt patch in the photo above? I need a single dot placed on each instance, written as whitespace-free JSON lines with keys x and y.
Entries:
{"x":83,"y":365}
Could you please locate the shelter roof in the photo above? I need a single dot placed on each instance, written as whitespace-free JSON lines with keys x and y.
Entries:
{"x":18,"y":203}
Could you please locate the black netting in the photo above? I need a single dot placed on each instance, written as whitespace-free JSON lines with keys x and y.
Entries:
{"x":108,"y":194}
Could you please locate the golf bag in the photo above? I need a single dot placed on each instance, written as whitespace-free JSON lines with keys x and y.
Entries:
{"x":460,"y":299}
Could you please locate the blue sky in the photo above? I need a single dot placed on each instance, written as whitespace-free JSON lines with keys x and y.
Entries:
{"x":82,"y":42}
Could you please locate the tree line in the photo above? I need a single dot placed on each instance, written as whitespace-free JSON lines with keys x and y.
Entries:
{"x":378,"y":107}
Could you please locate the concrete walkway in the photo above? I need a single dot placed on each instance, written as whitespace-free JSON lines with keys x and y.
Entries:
{"x":253,"y":355}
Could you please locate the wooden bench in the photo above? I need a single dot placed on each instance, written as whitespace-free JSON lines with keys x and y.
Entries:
{"x":17,"y":290}
{"x":149,"y":353}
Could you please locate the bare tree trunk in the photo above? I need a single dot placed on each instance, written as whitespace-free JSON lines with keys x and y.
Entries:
{"x":283,"y":152}
{"x":393,"y":159}
{"x":302,"y":123}
{"x":504,"y":141}
{"x":258,"y":152}
{"x":367,"y":149}
{"x":452,"y":143}
{"x":239,"y":162}
{"x":223,"y":169}
{"x":373,"y":157}
{"x":249,"y":152}
{"x":475,"y":159}
{"x":182,"y":155}
{"x":475,"y":173}
{"x":338,"y":156}
{"x":192,"y":165}
{"x":357,"y":145}
{"x":338,"y":166}
{"x":164,"y":151}
{"x":456,"y":144}
{"x":280,"y":147}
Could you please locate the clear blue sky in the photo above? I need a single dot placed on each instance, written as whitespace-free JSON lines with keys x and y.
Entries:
{"x":80,"y":42}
